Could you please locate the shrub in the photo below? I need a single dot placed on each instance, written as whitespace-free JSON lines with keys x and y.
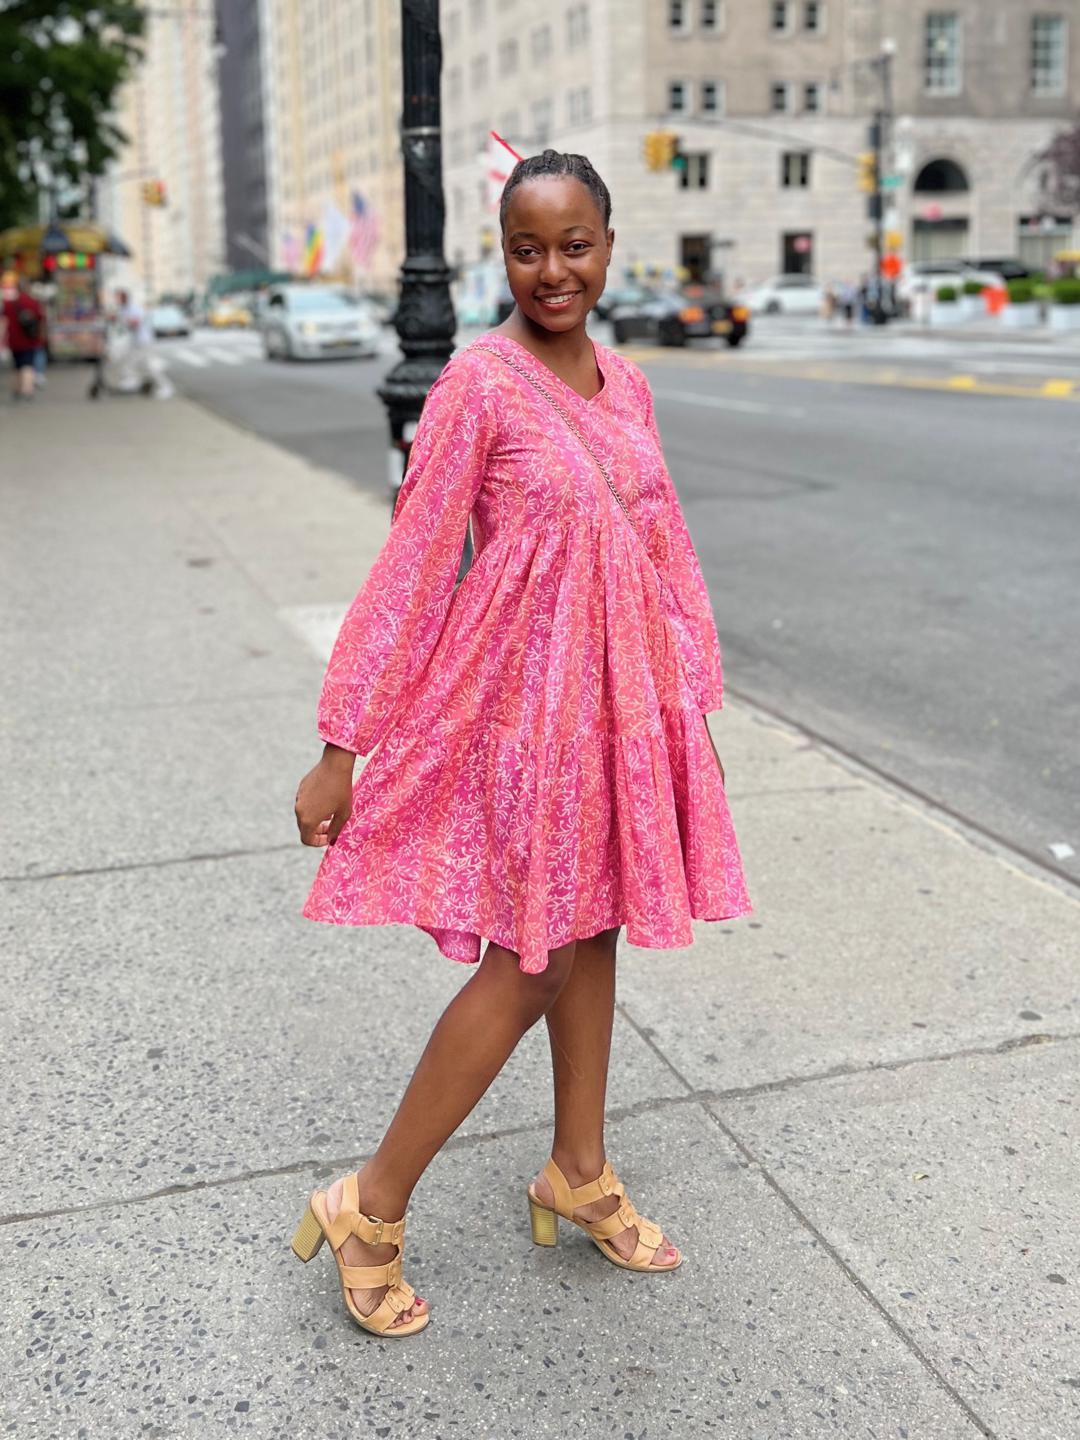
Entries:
{"x":1021,"y":292}
{"x":973,"y":287}
{"x":946,"y":294}
{"x":1066,"y":292}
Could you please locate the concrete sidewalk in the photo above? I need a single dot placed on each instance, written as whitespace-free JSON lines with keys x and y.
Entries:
{"x":856,"y":1111}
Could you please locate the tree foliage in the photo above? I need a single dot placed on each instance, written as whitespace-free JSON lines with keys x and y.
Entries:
{"x":61,"y":64}
{"x":1060,"y":174}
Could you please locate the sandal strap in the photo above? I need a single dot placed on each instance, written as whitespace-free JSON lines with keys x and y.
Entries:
{"x":568,"y":1198}
{"x":371,"y":1277}
{"x":350,"y":1220}
{"x":393,"y":1304}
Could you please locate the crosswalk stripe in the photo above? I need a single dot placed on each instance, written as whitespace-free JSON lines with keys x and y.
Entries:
{"x":190,"y":357}
{"x":224,"y":357}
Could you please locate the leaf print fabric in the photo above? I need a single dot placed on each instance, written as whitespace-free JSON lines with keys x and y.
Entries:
{"x":542,"y":770}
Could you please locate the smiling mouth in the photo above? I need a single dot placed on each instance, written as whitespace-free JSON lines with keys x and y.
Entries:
{"x":558,"y":302}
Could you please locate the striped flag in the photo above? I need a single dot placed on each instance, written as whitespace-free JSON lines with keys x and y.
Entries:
{"x":363,"y":231}
{"x":313,"y":250}
{"x":498,"y":162}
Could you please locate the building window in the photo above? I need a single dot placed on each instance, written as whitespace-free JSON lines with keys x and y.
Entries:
{"x":694,"y":175}
{"x":678,"y":97}
{"x":942,"y":62}
{"x":1048,"y":51}
{"x":712,"y":97}
{"x":453,"y":83}
{"x":813,"y":98}
{"x":541,"y":43}
{"x":795,"y":170}
{"x":579,"y":105}
{"x":476,"y":14}
{"x":677,"y":17}
{"x":541,"y":121}
{"x":510,"y":124}
{"x":453,"y":27}
{"x":814,"y":17}
{"x":577,"y":26}
{"x":508,"y":57}
{"x":781,"y":15}
{"x":712,"y":14}
{"x":478,"y":72}
{"x":780,"y":98}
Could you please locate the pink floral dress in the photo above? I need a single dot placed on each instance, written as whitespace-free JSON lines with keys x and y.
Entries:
{"x":541,"y":767}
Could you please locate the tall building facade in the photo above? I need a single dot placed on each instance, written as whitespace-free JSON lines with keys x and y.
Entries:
{"x":771,"y":101}
{"x":332,"y":109}
{"x":243,"y":136}
{"x":169,"y":112}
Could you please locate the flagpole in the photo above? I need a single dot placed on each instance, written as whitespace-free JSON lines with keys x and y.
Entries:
{"x":424,"y":319}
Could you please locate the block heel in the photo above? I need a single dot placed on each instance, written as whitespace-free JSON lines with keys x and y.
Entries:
{"x":544,"y":1224}
{"x":309,"y":1237}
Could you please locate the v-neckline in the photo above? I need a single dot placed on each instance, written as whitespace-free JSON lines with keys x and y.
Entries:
{"x":585,"y":399}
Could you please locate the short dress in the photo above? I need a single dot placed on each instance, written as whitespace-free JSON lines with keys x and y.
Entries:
{"x":542,"y":769}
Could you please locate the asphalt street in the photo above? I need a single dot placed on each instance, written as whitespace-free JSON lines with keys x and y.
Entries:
{"x":893,"y":550}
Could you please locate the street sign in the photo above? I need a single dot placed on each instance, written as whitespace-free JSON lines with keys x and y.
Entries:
{"x":891,"y":182}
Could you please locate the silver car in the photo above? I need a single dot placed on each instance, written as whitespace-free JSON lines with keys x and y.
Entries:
{"x":316,"y":322}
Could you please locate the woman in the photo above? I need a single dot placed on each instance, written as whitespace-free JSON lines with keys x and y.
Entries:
{"x":544,"y":773}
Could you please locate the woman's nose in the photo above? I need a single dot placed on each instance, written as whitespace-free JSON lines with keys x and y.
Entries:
{"x":553,"y":269}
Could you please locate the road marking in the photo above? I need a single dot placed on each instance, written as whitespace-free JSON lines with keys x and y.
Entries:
{"x":724,"y":402}
{"x":226,"y":357}
{"x":189,"y":357}
{"x":839,"y":375}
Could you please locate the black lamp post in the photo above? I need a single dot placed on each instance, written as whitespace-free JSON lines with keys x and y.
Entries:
{"x":425,"y":315}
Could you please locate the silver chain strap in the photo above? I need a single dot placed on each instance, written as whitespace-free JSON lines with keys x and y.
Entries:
{"x":573,"y":427}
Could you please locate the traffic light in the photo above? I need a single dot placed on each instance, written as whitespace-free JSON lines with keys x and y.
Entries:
{"x":661,"y":147}
{"x":868,"y":176}
{"x":153,"y":192}
{"x":677,"y":160}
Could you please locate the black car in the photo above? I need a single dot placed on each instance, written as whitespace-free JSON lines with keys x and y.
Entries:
{"x":674,"y":317}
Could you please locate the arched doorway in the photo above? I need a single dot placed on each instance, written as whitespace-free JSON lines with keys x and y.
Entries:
{"x":941,"y":223}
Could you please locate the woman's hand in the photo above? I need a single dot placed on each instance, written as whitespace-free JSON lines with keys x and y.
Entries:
{"x":712,"y":742}
{"x":324,"y":799}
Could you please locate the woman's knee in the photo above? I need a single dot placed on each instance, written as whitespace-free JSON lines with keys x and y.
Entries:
{"x":534,"y":994}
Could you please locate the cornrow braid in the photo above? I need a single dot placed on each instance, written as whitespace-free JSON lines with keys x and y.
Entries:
{"x":554,"y":162}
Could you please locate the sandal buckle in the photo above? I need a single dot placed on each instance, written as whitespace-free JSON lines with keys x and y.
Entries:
{"x":380,"y":1226}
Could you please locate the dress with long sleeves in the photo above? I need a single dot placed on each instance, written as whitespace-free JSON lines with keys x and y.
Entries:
{"x":542,"y":769}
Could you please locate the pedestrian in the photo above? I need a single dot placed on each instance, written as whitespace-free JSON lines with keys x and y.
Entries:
{"x":138,"y":365}
{"x":848,"y":297}
{"x":542,"y":770}
{"x":24,"y":335}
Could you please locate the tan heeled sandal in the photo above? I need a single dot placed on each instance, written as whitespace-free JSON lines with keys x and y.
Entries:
{"x":545,"y":1221}
{"x":316,"y":1226}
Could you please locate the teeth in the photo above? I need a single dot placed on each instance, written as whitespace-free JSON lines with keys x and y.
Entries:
{"x":554,"y":301}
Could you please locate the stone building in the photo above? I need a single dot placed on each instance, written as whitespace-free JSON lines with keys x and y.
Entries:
{"x":169,"y":112}
{"x":771,"y":101}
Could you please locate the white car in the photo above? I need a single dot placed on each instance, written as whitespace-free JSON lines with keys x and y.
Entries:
{"x":167,"y":320}
{"x":926,"y":277}
{"x":316,"y":322}
{"x":784,"y":295}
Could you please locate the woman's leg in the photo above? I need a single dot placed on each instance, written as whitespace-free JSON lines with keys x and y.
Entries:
{"x":472,"y":1041}
{"x":579,"y":1029}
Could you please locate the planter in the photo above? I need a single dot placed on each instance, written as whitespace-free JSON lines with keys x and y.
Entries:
{"x":1020,"y":317}
{"x":972,"y":307}
{"x":1065,"y":317}
{"x":945,"y":312}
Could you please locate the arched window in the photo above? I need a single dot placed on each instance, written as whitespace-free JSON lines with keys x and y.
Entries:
{"x":941,"y":177}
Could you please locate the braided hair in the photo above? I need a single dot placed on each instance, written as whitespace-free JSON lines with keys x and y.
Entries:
{"x":553,"y":162}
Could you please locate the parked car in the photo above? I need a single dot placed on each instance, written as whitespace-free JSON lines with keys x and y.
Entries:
{"x":169,"y":320}
{"x":317,"y":322}
{"x":1007,"y":267}
{"x":673,"y":317}
{"x":784,"y":295}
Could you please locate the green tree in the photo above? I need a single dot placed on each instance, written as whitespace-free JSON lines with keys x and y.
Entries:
{"x":1060,"y":177}
{"x":61,"y":64}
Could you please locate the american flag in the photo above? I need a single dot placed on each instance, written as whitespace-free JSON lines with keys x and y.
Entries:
{"x":363,"y":231}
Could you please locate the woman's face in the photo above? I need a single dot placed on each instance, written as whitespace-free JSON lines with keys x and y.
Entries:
{"x":556,"y":251}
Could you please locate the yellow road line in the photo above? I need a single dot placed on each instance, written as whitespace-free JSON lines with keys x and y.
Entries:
{"x":836,"y":374}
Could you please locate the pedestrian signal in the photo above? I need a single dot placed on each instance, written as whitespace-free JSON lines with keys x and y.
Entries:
{"x":868,"y":176}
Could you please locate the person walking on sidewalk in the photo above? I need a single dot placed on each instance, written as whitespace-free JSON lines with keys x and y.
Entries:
{"x":24,"y":332}
{"x":542,"y":771}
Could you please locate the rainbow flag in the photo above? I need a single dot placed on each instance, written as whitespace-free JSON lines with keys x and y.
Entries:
{"x":313,"y":250}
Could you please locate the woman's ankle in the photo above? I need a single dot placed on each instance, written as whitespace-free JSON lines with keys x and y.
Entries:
{"x":580,"y":1164}
{"x":380,"y":1194}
